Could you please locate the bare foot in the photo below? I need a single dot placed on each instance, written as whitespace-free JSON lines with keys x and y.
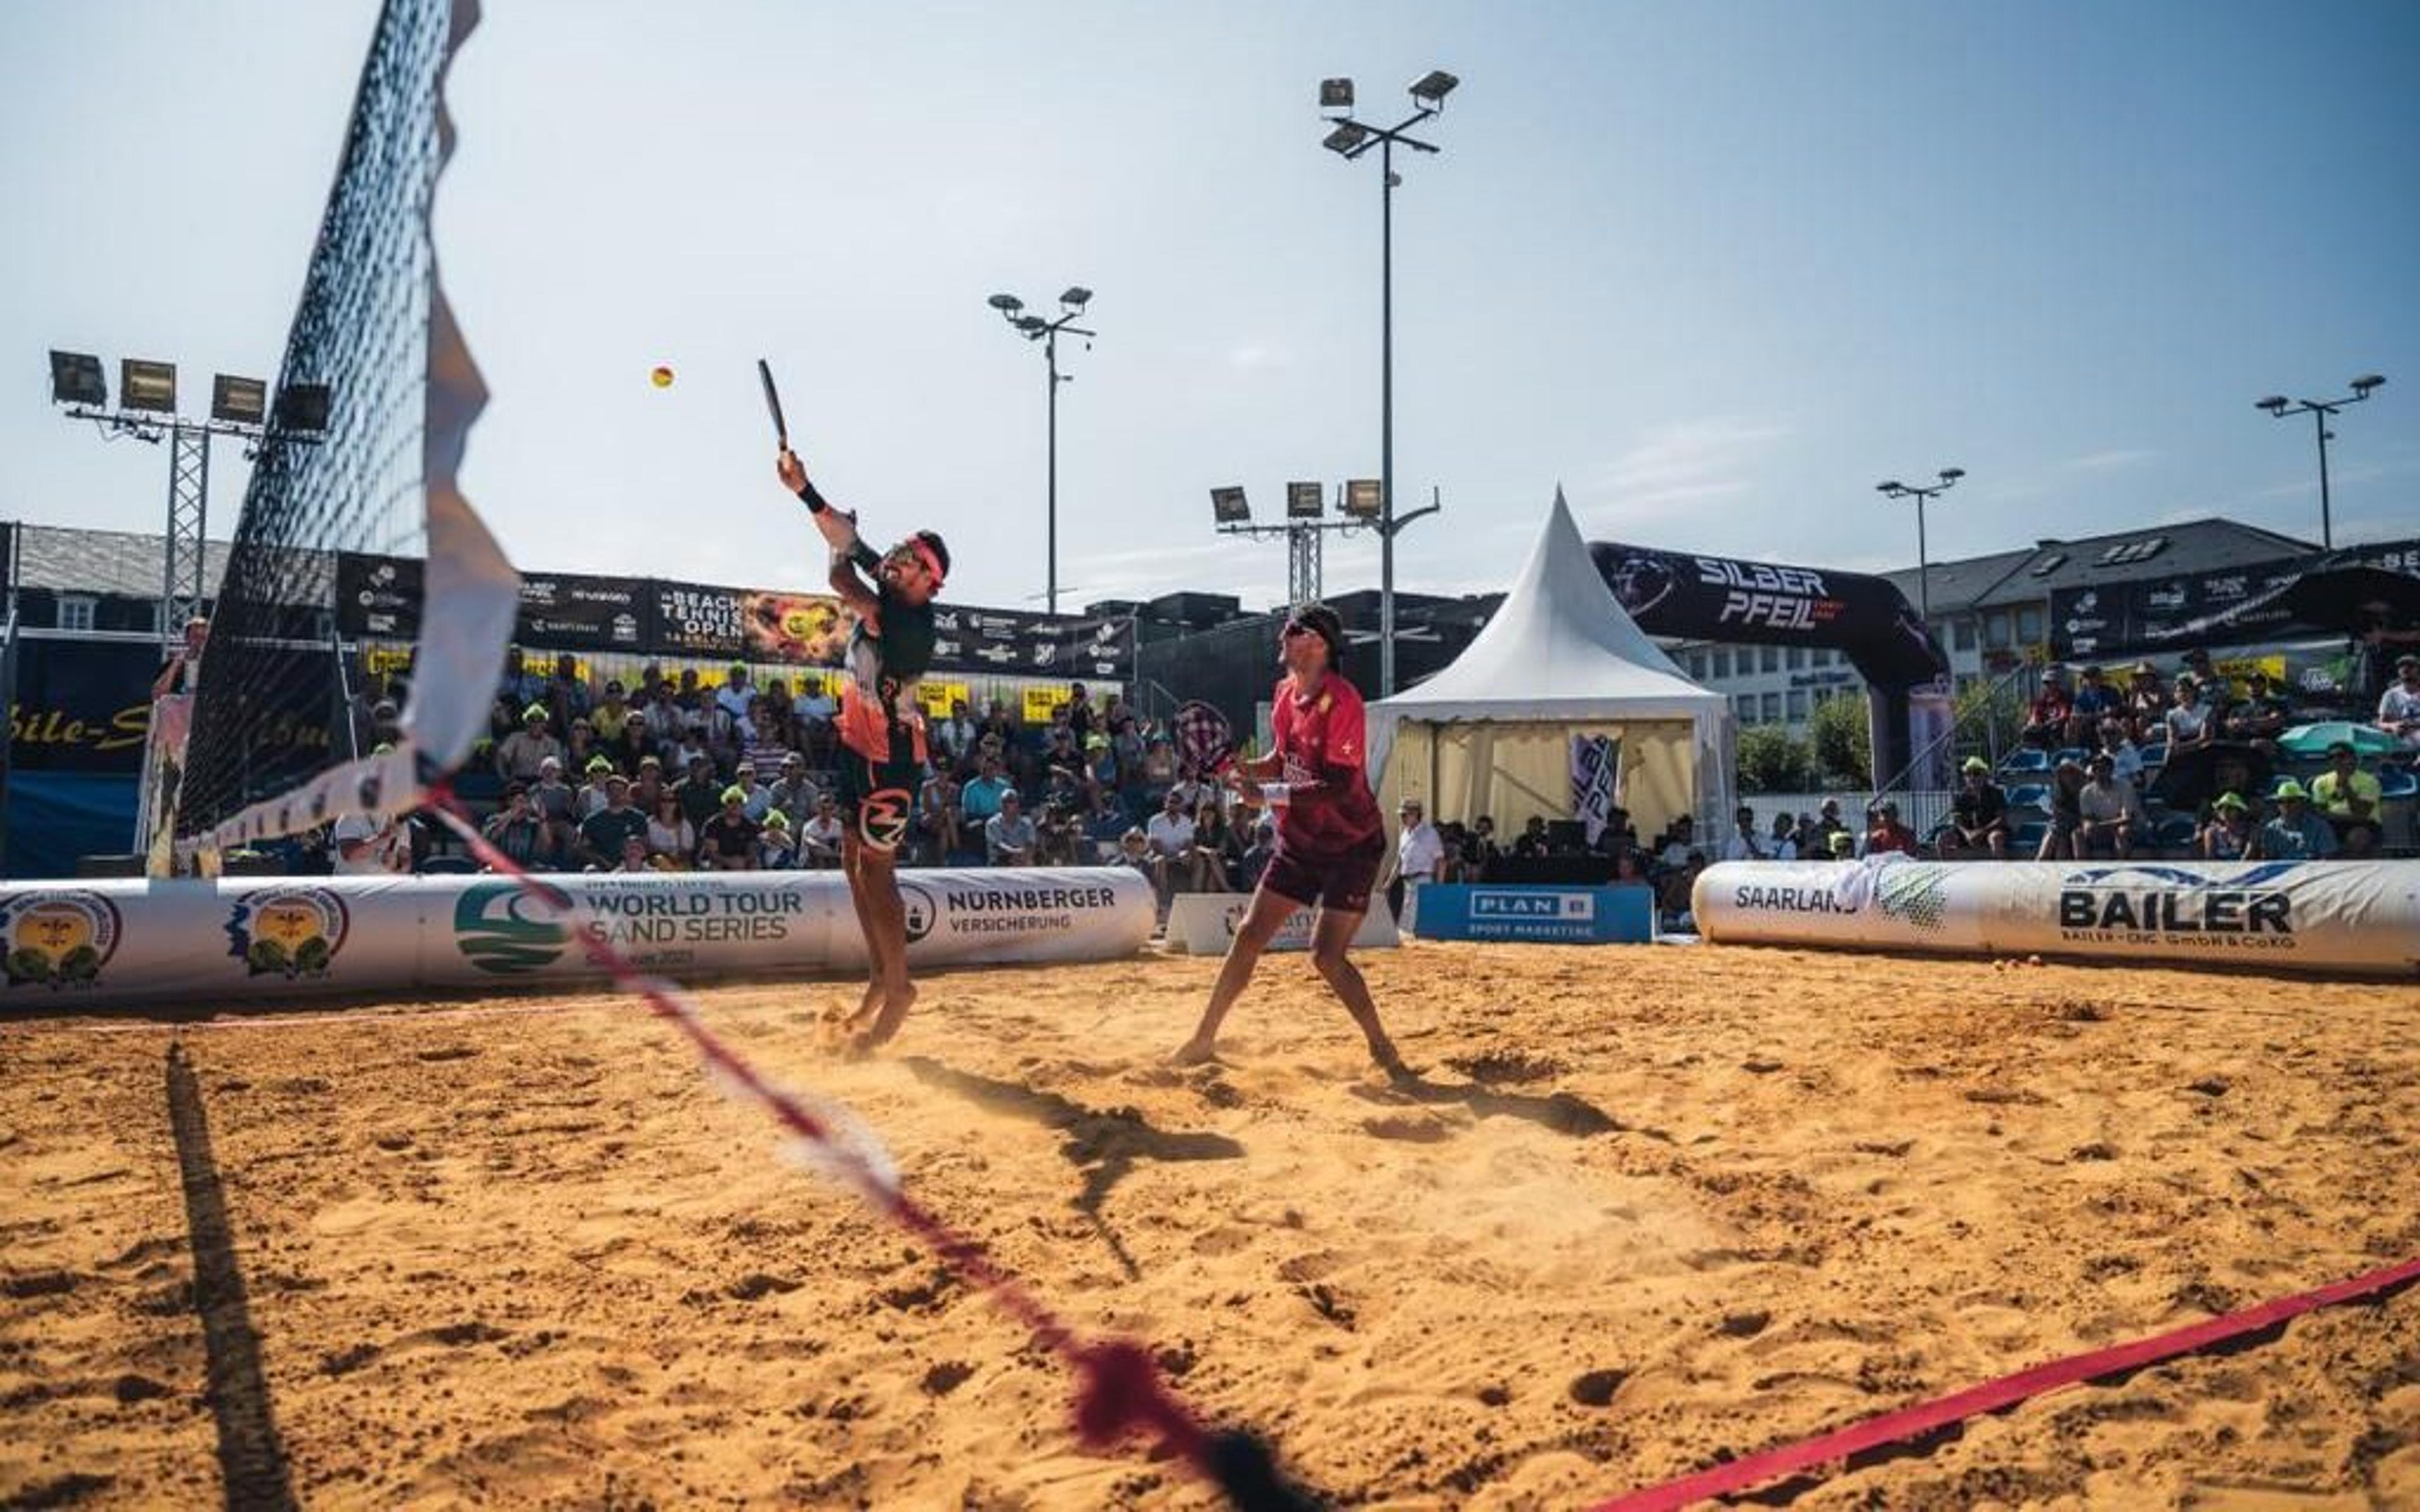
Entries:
{"x":1387,"y":1058}
{"x":894,"y":1013}
{"x":1194,"y":1051}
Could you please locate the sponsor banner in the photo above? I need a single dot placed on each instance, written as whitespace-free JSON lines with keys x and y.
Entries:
{"x":1567,"y":915}
{"x":231,"y":941}
{"x":1202,"y":923}
{"x":378,"y":596}
{"x":1696,"y":597}
{"x":82,"y":705}
{"x":568,"y":611}
{"x":799,"y":630}
{"x":1042,"y":702}
{"x":1596,"y":773}
{"x":936,"y":697}
{"x":2347,"y":916}
{"x":2176,"y":611}
{"x":1013,"y":643}
{"x":696,"y":620}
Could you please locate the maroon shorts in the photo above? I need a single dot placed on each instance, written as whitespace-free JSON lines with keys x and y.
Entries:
{"x":1339,"y":882}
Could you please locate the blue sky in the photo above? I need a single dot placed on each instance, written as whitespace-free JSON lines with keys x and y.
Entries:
{"x":1716,"y":268}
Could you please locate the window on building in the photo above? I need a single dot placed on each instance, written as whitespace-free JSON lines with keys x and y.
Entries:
{"x":1768,"y":658}
{"x":1722,"y":664}
{"x":1964,"y":625}
{"x":1996,"y":630}
{"x":1797,"y":706}
{"x":2029,"y":625}
{"x":1797,"y":660}
{"x":75,"y":611}
{"x":1772,"y":708}
{"x":1746,"y":702}
{"x":1694,"y":665}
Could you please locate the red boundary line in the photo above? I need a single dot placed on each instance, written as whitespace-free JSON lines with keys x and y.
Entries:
{"x":1910,"y":1421}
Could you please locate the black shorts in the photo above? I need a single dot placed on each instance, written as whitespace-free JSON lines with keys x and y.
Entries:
{"x":1339,"y":883}
{"x":876,"y":798}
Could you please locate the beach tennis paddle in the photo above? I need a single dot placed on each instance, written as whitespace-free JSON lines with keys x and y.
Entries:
{"x":773,"y":402}
{"x":1203,"y":737}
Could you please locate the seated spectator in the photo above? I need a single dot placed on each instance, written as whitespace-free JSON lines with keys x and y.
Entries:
{"x":777,"y":849}
{"x":566,"y":692}
{"x":1744,"y":843}
{"x":1629,"y":866}
{"x":515,"y":830}
{"x":1105,"y":824}
{"x":1257,"y":856}
{"x":611,"y":714}
{"x":634,"y":856}
{"x":1159,"y":769}
{"x":819,"y":838}
{"x":1843,"y":846}
{"x":579,"y":747}
{"x":1808,"y":837}
{"x":1532,"y":842}
{"x":813,"y":711}
{"x":1420,"y":851}
{"x":2066,"y":812}
{"x":937,"y":816}
{"x":733,"y":695}
{"x":1674,"y":898}
{"x":727,"y":841}
{"x":1828,"y":819}
{"x":2215,"y":689}
{"x":1884,"y":834}
{"x":1008,"y":835}
{"x":2189,"y":720}
{"x":2296,"y":833}
{"x":1190,"y":787}
{"x":1207,"y":859}
{"x":2094,"y":705}
{"x":2399,"y":707}
{"x":2125,"y":757}
{"x":1618,"y":836}
{"x":601,"y":834}
{"x":953,"y":739}
{"x":759,"y":795}
{"x":1171,"y":834}
{"x":634,"y":744}
{"x":557,"y":807}
{"x":1058,"y":835}
{"x":589,"y":797}
{"x":520,"y":755}
{"x":672,"y":839}
{"x":1480,"y":851}
{"x":2147,"y":703}
{"x":2261,"y":715}
{"x":2349,"y":798}
{"x":2046,"y":720}
{"x":793,"y":793}
{"x":1134,"y":851}
{"x":1978,"y":817}
{"x":1674,"y":847}
{"x":2111,"y":813}
{"x":700,"y":795}
{"x":980,"y":799}
{"x":2229,"y":836}
{"x":650,"y":785}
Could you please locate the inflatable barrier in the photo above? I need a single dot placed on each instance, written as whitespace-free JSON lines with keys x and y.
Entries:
{"x":1202,"y":924}
{"x":2344,"y":917}
{"x":231,"y":941}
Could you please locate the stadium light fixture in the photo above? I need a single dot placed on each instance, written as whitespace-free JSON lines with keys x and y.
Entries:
{"x":302,"y":408}
{"x":2321,"y":411}
{"x":1228,"y":506}
{"x":1893,"y":488}
{"x":1364,"y":498}
{"x":76,"y":378}
{"x":144,"y":384}
{"x":1035,"y":327}
{"x":1349,"y":138}
{"x":241,"y":401}
{"x":1304,"y":501}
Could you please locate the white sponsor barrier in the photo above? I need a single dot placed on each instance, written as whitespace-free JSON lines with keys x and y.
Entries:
{"x":227,"y":941}
{"x":2351,"y":917}
{"x":1202,"y":924}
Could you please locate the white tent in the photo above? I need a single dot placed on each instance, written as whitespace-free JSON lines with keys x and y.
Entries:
{"x":1491,"y":733}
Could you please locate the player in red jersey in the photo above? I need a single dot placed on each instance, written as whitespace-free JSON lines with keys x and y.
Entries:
{"x":1330,"y":837}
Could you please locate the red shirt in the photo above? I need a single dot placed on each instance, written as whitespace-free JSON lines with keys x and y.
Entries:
{"x":1319,"y":741}
{"x":1890,"y":835}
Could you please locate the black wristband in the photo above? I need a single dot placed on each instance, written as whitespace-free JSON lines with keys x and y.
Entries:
{"x":815,"y":501}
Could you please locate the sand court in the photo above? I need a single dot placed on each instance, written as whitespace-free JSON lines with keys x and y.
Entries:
{"x":1646,"y":1208}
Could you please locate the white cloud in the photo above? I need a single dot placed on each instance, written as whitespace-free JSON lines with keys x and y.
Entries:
{"x":2104,"y":461}
{"x":1677,"y":464}
{"x":1259,"y":359}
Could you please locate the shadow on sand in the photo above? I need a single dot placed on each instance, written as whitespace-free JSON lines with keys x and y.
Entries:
{"x":1103,"y":1142}
{"x":1565,"y":1113}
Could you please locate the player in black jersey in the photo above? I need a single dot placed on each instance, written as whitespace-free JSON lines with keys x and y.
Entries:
{"x":882,"y":753}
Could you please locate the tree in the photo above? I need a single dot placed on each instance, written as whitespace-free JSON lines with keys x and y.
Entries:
{"x":1841,"y":742}
{"x":1771,"y":761}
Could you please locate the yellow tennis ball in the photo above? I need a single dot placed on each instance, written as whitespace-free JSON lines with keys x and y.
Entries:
{"x":661,"y":378}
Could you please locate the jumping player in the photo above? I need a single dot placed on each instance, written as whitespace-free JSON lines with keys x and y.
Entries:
{"x":1329,"y":836}
{"x":881,"y":731}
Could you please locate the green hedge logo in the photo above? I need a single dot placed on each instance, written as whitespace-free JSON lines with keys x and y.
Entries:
{"x":502,"y":928}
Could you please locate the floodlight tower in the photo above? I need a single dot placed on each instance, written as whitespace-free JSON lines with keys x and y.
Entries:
{"x":1033,"y":328}
{"x":1923,"y":495}
{"x":1305,"y":530}
{"x":2321,"y":411}
{"x":1350,"y":139}
{"x":147,"y":409}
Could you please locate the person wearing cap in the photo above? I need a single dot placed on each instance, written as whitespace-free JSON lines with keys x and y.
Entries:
{"x":1843,"y":846}
{"x":1885,"y":835}
{"x":1418,"y":853}
{"x":557,"y":806}
{"x":760,"y":793}
{"x":1331,"y":837}
{"x":2260,"y":715}
{"x":733,"y":696}
{"x":2110,"y":811}
{"x":2349,"y":798}
{"x":2296,"y":832}
{"x":1978,"y":816}
{"x":2399,"y":707}
{"x":602,"y":833}
{"x":727,"y":841}
{"x":591,"y":796}
{"x":2147,"y":703}
{"x":518,"y":755}
{"x":794,"y":792}
{"x":1008,"y":835}
{"x":819,"y":837}
{"x":2229,"y":836}
{"x":777,"y":849}
{"x":880,"y":732}
{"x":1827,"y":820}
{"x":2046,"y":720}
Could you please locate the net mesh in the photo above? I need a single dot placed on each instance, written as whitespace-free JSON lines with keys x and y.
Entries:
{"x":267,"y":714}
